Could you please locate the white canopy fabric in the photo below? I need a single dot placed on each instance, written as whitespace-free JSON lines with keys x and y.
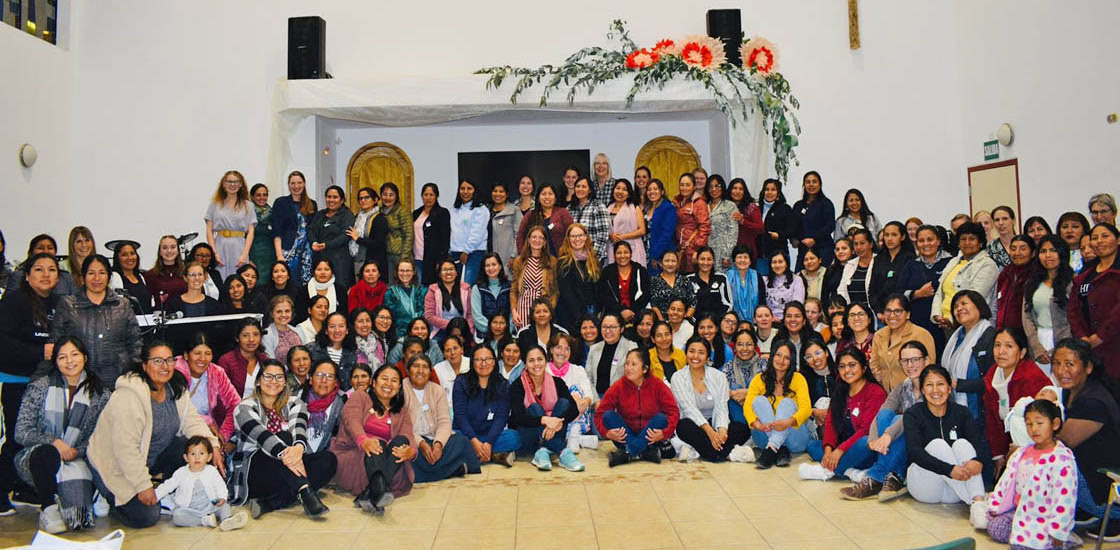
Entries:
{"x":416,"y":101}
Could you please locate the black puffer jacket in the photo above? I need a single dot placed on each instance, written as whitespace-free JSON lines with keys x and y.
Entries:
{"x":109,"y":331}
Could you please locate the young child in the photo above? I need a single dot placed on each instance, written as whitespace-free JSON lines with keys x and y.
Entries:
{"x":198,"y":491}
{"x":1033,"y":504}
{"x":1016,"y":422}
{"x":814,"y":318}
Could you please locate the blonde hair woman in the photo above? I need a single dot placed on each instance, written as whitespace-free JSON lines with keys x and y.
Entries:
{"x":230,"y":222}
{"x":577,"y":271}
{"x":603,"y":179}
{"x":534,"y":276}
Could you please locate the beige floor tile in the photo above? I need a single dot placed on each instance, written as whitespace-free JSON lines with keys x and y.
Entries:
{"x":163,"y":541}
{"x":896,"y":542}
{"x":486,"y":495}
{"x":237,"y":540}
{"x":403,"y":519}
{"x":746,"y":486}
{"x":569,"y":537}
{"x":766,"y":506}
{"x":613,"y":511}
{"x":702,"y":509}
{"x":471,"y":539}
{"x":397,"y":540}
{"x":716,"y":533}
{"x":805,"y":527}
{"x":619,"y":490}
{"x":701,"y":488}
{"x":15,"y":538}
{"x":350,"y":520}
{"x":273,"y":523}
{"x":536,"y":493}
{"x":885,"y":522}
{"x":637,"y":535}
{"x":553,"y":514}
{"x":816,"y":544}
{"x":477,"y":517}
{"x":303,"y":541}
{"x":425,"y":496}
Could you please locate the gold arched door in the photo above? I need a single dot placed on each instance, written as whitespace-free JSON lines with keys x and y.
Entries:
{"x":667,"y":158}
{"x":375,"y":164}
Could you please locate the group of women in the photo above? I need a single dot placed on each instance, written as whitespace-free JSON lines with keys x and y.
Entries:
{"x":396,"y":351}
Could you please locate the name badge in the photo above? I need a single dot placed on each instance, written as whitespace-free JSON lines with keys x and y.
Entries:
{"x":328,"y":224}
{"x":855,"y":411}
{"x":428,"y":223}
{"x":953,"y":434}
{"x":490,"y":416}
{"x":981,"y":354}
{"x":804,"y":210}
{"x":1003,"y":402}
{"x":425,"y":407}
{"x":999,"y":295}
{"x":551,"y":226}
{"x":502,"y":222}
{"x":890,"y":274}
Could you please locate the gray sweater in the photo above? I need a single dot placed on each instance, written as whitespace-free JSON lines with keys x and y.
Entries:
{"x":901,"y":398}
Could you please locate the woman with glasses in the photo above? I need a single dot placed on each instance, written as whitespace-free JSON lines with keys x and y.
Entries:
{"x":889,"y":339}
{"x":324,"y":405}
{"x":335,"y":343}
{"x":606,"y":357}
{"x":369,"y":235}
{"x":194,"y":302}
{"x":230,"y":222}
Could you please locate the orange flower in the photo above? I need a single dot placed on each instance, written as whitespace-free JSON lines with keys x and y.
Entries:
{"x":666,"y":46}
{"x":640,"y":59}
{"x":760,"y":54}
{"x":703,"y":52}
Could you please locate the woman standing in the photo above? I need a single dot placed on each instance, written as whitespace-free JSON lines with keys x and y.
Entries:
{"x":127,"y":276}
{"x":856,"y":214}
{"x":669,"y":285}
{"x":815,"y":214}
{"x":592,"y":215}
{"x":693,"y":224}
{"x":1094,"y":305}
{"x":637,"y":426}
{"x":1003,"y":218}
{"x":243,"y":364}
{"x":888,"y":341}
{"x":1017,"y":376}
{"x":549,"y":215}
{"x":1011,"y":281}
{"x":505,"y":218}
{"x":481,"y":404}
{"x":972,"y":269}
{"x":103,"y":318}
{"x":541,"y":409}
{"x":58,"y":415}
{"x":291,"y":216}
{"x":401,"y":231}
{"x":1036,"y":228}
{"x":604,"y":180}
{"x":490,"y":295}
{"x":578,"y":272}
{"x":273,"y":466}
{"x":628,"y":223}
{"x":777,"y":407}
{"x":896,"y":253}
{"x":748,"y":288}
{"x":624,"y":286}
{"x":261,"y":254}
{"x":1046,"y":295}
{"x":165,"y":279}
{"x":534,"y":276}
{"x":918,"y":282}
{"x":447,"y":299}
{"x":370,"y":235}
{"x":431,"y":226}
{"x":661,"y":222}
{"x":855,"y":283}
{"x":327,"y":233}
{"x":80,"y":245}
{"x":141,"y":433}
{"x":705,"y":428}
{"x":230,"y":223}
{"x":405,"y":298}
{"x":748,"y":218}
{"x":526,"y":194}
{"x":468,"y":231}
{"x":1072,"y":226}
{"x":779,"y":224}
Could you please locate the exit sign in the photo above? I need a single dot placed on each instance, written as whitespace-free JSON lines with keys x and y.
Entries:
{"x":991,"y":150}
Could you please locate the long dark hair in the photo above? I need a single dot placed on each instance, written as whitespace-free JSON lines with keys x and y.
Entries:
{"x":805,"y":195}
{"x":805,"y":369}
{"x":747,"y":198}
{"x":390,"y":336}
{"x":39,"y":314}
{"x":476,"y":200}
{"x":227,"y":300}
{"x":838,"y":406}
{"x":178,"y":383}
{"x":1061,"y":279}
{"x":116,"y":259}
{"x":450,"y":298}
{"x":864,"y":211}
{"x":770,"y":377}
{"x":502,"y":278}
{"x":717,"y":347}
{"x":44,"y":237}
{"x":324,"y":342}
{"x":492,"y":391}
{"x":396,"y":403}
{"x":771,"y":280}
{"x":92,"y":383}
{"x":762,"y":193}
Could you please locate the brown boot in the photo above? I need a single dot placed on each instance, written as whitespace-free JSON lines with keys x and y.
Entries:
{"x":865,"y":489}
{"x":893,"y":487}
{"x":505,"y":459}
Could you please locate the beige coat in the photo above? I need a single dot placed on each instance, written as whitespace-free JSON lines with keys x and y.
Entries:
{"x":438,"y":413}
{"x":884,"y":352}
{"x":118,"y":448}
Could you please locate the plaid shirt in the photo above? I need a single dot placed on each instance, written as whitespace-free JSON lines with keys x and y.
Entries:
{"x":594,"y":217}
{"x":604,"y":194}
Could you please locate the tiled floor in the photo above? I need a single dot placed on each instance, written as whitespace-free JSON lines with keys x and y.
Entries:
{"x":636,"y":506}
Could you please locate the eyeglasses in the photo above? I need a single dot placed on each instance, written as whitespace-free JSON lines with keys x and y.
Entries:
{"x":857,"y":314}
{"x":324,"y":376}
{"x":815,"y":355}
{"x":894,"y":312}
{"x":1100,"y":212}
{"x":912,"y":360}
{"x":384,"y":317}
{"x":611,"y":327}
{"x":267,"y":377}
{"x":162,"y":361}
{"x":485,"y":361}
{"x":364,"y":198}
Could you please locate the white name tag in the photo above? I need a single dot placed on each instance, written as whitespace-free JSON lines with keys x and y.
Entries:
{"x":551,"y":226}
{"x":425,"y":407}
{"x":490,"y":416}
{"x":855,"y":411}
{"x":953,"y":434}
{"x":501,"y":222}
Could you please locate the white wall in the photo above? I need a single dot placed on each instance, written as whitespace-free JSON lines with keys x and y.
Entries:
{"x":168,"y":95}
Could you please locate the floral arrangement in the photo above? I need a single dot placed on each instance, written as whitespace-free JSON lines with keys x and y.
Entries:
{"x":737,"y":89}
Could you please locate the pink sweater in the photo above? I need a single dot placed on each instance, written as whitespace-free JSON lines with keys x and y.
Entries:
{"x":221,"y":394}
{"x":1046,"y":511}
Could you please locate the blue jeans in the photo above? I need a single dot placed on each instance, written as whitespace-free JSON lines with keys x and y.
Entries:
{"x":735,"y":410}
{"x":508,"y":442}
{"x":469,"y":271}
{"x":797,"y":439}
{"x":858,"y":456}
{"x":1085,"y":501}
{"x":531,"y":438}
{"x":895,"y":459}
{"x":456,"y":453}
{"x":635,"y":441}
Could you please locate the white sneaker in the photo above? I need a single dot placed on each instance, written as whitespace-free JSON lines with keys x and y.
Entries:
{"x":573,"y":445}
{"x":741,"y":453}
{"x":855,"y":475}
{"x":687,"y":453}
{"x":100,"y":506}
{"x":234,"y":522}
{"x":590,"y":441}
{"x":50,"y":520}
{"x":813,"y":470}
{"x":210,"y":520}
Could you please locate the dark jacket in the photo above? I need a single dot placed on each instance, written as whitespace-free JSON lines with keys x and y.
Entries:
{"x":915,"y":275}
{"x":609,"y":299}
{"x":780,"y":220}
{"x":577,"y":294}
{"x":109,"y":331}
{"x":437,"y":241}
{"x":350,"y":358}
{"x":21,"y":338}
{"x":1010,"y":284}
{"x":817,"y":221}
{"x":210,"y":305}
{"x":662,"y":230}
{"x":331,"y":231}
{"x":1099,"y":314}
{"x":885,"y":275}
{"x":472,"y":416}
{"x":375,"y":244}
{"x":637,"y":404}
{"x":285,"y":221}
{"x":922,"y":426}
{"x":520,"y":418}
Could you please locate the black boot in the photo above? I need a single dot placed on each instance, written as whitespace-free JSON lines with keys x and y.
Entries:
{"x":618,"y":457}
{"x":652,"y":454}
{"x":261,"y":506}
{"x":312,"y":506}
{"x":784,"y":457}
{"x":766,"y":459}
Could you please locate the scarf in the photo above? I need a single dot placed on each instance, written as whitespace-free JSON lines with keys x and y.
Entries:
{"x":960,"y":357}
{"x":318,"y":407}
{"x":314,"y":286}
{"x":744,"y":294}
{"x":361,"y":225}
{"x":548,"y":392}
{"x":739,"y":373}
{"x":580,"y":255}
{"x":298,"y":257}
{"x":75,"y":481}
{"x":560,"y":371}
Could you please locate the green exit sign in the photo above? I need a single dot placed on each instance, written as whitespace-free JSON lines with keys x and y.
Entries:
{"x":991,"y":150}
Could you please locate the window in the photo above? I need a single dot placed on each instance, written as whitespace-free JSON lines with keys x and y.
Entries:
{"x":35,"y":17}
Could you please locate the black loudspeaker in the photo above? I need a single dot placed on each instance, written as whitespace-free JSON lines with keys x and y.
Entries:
{"x":727,"y":25}
{"x":307,"y":45}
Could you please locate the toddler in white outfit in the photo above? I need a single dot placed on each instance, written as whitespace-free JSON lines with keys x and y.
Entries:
{"x":198,"y":493}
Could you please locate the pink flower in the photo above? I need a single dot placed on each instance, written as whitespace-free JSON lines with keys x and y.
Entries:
{"x":760,"y":54}
{"x":703,"y":52}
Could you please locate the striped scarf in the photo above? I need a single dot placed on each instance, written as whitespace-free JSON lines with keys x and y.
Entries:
{"x":75,"y":481}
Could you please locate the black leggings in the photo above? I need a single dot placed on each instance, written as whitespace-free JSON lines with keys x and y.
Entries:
{"x":689,"y":432}
{"x":11,"y":395}
{"x":44,"y":463}
{"x":270,"y":480}
{"x":384,"y":465}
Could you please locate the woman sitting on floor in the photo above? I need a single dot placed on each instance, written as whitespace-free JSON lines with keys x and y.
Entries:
{"x":855,"y":402}
{"x":705,"y":428}
{"x":541,"y":409}
{"x":443,"y":454}
{"x":637,"y":413}
{"x":777,"y":408}
{"x":482,"y":409}
{"x":324,"y":405}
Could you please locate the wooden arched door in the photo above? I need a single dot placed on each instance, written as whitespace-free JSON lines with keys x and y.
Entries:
{"x":667,"y":158}
{"x":375,"y":164}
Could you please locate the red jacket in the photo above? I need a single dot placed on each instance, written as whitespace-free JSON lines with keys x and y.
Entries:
{"x":862,"y":408}
{"x":1009,"y":295}
{"x":362,"y":295}
{"x":237,"y":367}
{"x":1103,"y":314}
{"x":637,"y":404}
{"x":1027,"y":380}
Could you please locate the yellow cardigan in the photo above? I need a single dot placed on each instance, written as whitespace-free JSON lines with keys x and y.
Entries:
{"x":797,"y":386}
{"x":655,"y":364}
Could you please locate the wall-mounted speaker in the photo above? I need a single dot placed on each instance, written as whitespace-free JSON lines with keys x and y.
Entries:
{"x":307,"y":46}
